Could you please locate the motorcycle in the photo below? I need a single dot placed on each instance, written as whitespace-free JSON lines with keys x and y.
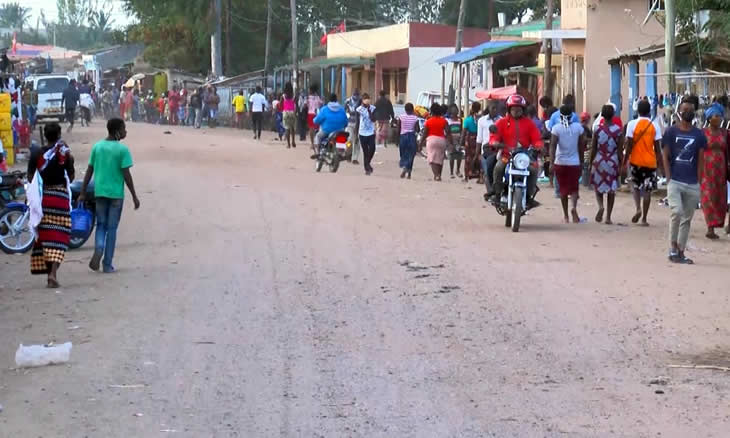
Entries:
{"x":15,"y":233}
{"x":332,"y":150}
{"x":16,"y":237}
{"x":514,"y":200}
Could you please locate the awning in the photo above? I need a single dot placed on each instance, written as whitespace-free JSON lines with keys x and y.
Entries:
{"x":484,"y":50}
{"x":332,"y":62}
{"x":501,"y":93}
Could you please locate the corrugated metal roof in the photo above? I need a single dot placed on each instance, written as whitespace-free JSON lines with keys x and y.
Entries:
{"x":484,"y":50}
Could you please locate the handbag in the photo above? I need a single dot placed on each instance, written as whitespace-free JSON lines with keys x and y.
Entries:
{"x":81,"y":219}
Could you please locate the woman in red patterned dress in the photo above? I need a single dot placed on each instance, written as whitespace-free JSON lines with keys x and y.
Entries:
{"x":714,"y":174}
{"x":606,"y":154}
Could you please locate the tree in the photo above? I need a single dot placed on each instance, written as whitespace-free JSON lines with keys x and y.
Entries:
{"x":14,"y":16}
{"x":477,"y":14}
{"x":717,"y":28}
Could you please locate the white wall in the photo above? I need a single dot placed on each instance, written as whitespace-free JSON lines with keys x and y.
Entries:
{"x":424,"y":74}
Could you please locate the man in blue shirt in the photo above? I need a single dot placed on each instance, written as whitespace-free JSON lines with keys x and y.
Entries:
{"x":331,"y":118}
{"x":682,"y":152}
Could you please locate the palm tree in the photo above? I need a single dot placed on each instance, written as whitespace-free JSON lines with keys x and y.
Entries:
{"x":100,"y":22}
{"x":14,"y":16}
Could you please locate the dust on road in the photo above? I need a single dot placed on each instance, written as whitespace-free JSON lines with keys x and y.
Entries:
{"x":256,"y":298}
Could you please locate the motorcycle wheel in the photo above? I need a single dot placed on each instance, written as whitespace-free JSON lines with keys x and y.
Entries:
{"x":516,"y":209}
{"x":14,"y":244}
{"x":335,"y":163}
{"x":318,"y":164}
{"x":77,"y":242}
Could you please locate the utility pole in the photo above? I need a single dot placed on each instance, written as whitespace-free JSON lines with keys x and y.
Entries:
{"x":268,"y":45}
{"x":669,"y":35}
{"x":547,"y":81}
{"x":459,"y":43}
{"x":228,"y":37}
{"x":413,"y":11}
{"x":294,"y":44}
{"x":215,"y":42}
{"x":492,"y":15}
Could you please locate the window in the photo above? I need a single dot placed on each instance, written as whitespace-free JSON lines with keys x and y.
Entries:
{"x":655,"y":5}
{"x":51,"y":85}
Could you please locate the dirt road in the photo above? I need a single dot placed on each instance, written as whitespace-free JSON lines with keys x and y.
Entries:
{"x":255,"y":298}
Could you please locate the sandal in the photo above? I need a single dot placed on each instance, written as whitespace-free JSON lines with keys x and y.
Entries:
{"x":712,"y":236}
{"x":636,"y":217}
{"x":53,"y":283}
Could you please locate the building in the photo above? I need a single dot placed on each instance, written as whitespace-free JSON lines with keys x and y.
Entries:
{"x":592,"y":32}
{"x":399,"y":59}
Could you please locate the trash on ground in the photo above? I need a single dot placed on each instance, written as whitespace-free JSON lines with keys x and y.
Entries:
{"x":42,"y":355}
{"x":139,"y":414}
{"x":140,"y":385}
{"x":660,"y":380}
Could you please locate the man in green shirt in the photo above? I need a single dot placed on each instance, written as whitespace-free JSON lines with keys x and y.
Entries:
{"x":111,"y":161}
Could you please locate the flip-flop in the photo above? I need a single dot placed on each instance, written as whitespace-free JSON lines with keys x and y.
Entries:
{"x":712,"y":236}
{"x":644,"y":224}
{"x":636,"y":218}
{"x":599,"y":215}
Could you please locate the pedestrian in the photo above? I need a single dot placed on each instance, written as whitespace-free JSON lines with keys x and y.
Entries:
{"x":196,"y":107}
{"x":279,"y":119}
{"x":128,"y":102}
{"x":436,"y":136}
{"x":384,"y":114}
{"x":54,"y":164}
{"x":109,"y":164}
{"x":302,"y":111}
{"x":408,"y":127}
{"x":472,"y":166}
{"x":213,"y":101}
{"x":488,"y":156}
{"x":556,"y":117}
{"x":173,"y":99}
{"x":606,"y":156}
{"x":642,"y":150}
{"x":455,"y":150}
{"x":314,"y":102}
{"x":69,"y":100}
{"x":567,"y":145}
{"x":239,"y":106}
{"x":258,"y":105}
{"x":682,"y":153}
{"x":352,"y":104}
{"x":289,"y":106}
{"x":366,"y":131}
{"x":714,"y":172}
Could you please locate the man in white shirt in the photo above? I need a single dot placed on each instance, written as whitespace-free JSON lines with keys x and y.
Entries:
{"x":488,"y":159}
{"x":258,"y":104}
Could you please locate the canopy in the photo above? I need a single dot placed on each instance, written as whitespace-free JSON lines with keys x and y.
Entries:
{"x":501,"y":93}
{"x":484,"y":50}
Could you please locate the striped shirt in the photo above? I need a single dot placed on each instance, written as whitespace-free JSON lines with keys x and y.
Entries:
{"x":408,"y":123}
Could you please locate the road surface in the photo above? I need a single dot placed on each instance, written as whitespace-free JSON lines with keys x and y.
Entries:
{"x":256,"y":298}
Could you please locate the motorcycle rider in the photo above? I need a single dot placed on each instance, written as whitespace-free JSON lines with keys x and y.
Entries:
{"x":513,"y":130}
{"x":331,"y":118}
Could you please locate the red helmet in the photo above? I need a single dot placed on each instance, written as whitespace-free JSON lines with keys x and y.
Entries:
{"x":516,"y":100}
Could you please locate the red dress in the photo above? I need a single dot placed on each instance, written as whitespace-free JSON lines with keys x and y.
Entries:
{"x":714,"y":176}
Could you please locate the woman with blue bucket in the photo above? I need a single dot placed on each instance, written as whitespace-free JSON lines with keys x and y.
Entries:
{"x":50,"y":170}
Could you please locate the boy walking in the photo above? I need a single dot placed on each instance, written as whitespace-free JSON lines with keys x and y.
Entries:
{"x":111,"y":161}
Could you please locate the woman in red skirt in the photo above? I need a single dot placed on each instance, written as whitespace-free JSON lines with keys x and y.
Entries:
{"x":713,"y":185}
{"x":567,"y":145}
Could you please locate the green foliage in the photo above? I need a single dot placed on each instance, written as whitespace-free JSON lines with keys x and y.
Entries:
{"x":14,"y":16}
{"x":477,"y":11}
{"x":718,"y":26}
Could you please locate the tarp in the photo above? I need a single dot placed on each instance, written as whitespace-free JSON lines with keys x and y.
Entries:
{"x":483,"y":50}
{"x":501,"y":93}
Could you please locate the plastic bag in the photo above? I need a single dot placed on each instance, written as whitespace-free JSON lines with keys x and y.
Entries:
{"x":81,"y":221}
{"x":42,"y":355}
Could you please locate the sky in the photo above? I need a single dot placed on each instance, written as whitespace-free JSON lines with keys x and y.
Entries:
{"x":121,"y":18}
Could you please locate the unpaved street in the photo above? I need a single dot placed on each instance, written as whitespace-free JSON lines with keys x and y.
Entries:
{"x":256,"y":298}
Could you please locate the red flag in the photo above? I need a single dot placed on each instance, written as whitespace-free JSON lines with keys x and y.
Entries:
{"x":15,"y":44}
{"x":337,"y":29}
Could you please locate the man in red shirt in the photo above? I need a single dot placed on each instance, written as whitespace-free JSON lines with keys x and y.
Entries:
{"x":512,"y":130}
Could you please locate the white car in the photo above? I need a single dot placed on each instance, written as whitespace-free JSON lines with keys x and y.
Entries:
{"x":50,"y":93}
